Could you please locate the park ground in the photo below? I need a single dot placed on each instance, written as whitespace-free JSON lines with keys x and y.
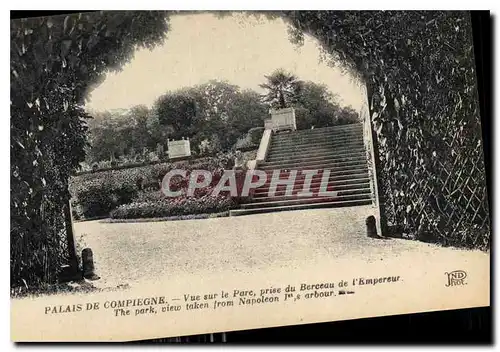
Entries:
{"x":128,"y":254}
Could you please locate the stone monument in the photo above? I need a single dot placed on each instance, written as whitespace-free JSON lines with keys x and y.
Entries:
{"x":179,"y":149}
{"x":281,"y":120}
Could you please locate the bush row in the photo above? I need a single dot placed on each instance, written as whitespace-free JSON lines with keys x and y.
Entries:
{"x":173,"y":218}
{"x":173,"y":207}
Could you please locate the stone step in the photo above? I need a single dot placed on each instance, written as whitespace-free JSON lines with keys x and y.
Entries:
{"x":325,"y":144}
{"x":295,"y":137}
{"x":324,"y":136}
{"x":339,"y":204}
{"x":317,"y":156}
{"x":354,"y":148}
{"x":315,"y":185}
{"x":333,"y":178}
{"x":328,"y":144}
{"x":331,"y":164}
{"x":338,"y":149}
{"x":319,"y":151}
{"x":304,"y":201}
{"x":313,"y":144}
{"x":265,"y":197}
{"x":298,"y":153}
{"x":324,"y":130}
{"x":332,"y":129}
{"x":333,"y":175}
{"x":325,"y":139}
{"x":325,"y":160}
{"x":299,"y":136}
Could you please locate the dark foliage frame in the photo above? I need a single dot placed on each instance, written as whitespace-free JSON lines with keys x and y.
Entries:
{"x":420,"y":75}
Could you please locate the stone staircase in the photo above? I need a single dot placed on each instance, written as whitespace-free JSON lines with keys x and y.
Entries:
{"x":336,"y":150}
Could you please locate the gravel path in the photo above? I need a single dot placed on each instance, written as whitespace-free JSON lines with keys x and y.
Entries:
{"x":130,"y":253}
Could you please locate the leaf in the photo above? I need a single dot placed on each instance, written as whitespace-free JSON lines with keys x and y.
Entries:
{"x":66,"y":23}
{"x":65,"y":46}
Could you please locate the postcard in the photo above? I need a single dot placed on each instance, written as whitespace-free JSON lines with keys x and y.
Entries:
{"x":177,"y":173}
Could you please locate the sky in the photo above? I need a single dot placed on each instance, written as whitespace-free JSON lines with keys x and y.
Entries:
{"x":239,"y":49}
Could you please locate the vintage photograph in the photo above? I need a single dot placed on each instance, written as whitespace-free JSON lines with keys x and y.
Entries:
{"x":183,"y":150}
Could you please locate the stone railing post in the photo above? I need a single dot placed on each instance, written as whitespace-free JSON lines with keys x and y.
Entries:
{"x":265,"y":142}
{"x":369,"y":138}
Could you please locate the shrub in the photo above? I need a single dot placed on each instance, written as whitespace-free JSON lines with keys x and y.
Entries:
{"x":250,"y":140}
{"x":244,"y":143}
{"x":100,"y":199}
{"x":256,"y":134}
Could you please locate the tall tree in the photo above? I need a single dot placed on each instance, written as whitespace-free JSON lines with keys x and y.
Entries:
{"x":215,"y":98}
{"x":228,"y":112}
{"x":117,"y":132}
{"x":179,"y":110}
{"x":246,"y":112}
{"x":282,"y":88}
{"x":216,"y":113}
{"x":315,"y":105}
{"x":346,"y":115}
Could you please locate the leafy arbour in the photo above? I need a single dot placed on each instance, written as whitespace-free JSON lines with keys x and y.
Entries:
{"x":54,"y":62}
{"x":419,"y":71}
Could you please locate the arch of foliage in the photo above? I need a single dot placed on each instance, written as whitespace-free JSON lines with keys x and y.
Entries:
{"x":54,"y":62}
{"x":418,"y":68}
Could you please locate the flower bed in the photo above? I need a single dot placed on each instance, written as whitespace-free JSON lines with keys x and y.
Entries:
{"x":171,"y":218}
{"x":97,"y":194}
{"x":173,"y":207}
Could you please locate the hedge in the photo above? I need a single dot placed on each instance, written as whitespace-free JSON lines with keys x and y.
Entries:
{"x":173,"y":207}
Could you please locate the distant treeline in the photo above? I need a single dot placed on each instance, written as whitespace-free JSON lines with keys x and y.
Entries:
{"x":214,"y":116}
